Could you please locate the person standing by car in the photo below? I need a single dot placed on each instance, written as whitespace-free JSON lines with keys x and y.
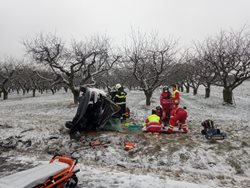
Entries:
{"x":120,"y":100}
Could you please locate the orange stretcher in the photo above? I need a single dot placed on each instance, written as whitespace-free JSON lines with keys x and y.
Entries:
{"x":58,"y":173}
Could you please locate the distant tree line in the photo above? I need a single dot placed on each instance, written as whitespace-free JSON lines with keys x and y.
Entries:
{"x":146,"y":63}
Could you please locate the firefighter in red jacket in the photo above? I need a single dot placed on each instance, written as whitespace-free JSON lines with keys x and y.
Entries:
{"x":179,"y":116}
{"x":166,"y":103}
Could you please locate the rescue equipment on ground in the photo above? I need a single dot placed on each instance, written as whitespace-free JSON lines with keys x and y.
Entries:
{"x":58,"y":173}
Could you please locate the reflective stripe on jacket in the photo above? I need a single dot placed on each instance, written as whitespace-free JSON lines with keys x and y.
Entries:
{"x":120,"y":98}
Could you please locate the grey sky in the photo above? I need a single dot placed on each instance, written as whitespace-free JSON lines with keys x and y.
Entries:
{"x":186,"y":20}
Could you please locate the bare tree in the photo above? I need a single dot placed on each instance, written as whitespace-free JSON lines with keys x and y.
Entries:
{"x":7,"y":74}
{"x":76,"y":66}
{"x":206,"y":71}
{"x":105,"y":80}
{"x":229,"y":54}
{"x":48,"y":80}
{"x":150,"y":59}
{"x":21,"y":80}
{"x":125,"y":77}
{"x":34,"y":82}
{"x":191,"y":71}
{"x":178,"y":75}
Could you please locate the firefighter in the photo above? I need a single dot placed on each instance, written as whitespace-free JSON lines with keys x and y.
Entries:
{"x":179,"y":116}
{"x":166,"y":103}
{"x":120,"y":100}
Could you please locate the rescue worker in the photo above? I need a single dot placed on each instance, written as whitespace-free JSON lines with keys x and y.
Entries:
{"x":175,"y":100}
{"x":159,"y":111}
{"x":175,"y":96}
{"x":166,"y":103}
{"x":153,"y":119}
{"x":120,"y":100}
{"x":179,"y":116}
{"x":166,"y":94}
{"x":153,"y":122}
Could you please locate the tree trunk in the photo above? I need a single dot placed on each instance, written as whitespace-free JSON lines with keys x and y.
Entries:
{"x":33,"y":92}
{"x":0,"y":94}
{"x":181,"y":88}
{"x":76,"y":96}
{"x":66,"y":89}
{"x":195,"y":90}
{"x":187,"y":89}
{"x":148,"y":97}
{"x":5,"y":95}
{"x":227,"y":95}
{"x":207,"y":91}
{"x":53,"y":92}
{"x":23,"y":91}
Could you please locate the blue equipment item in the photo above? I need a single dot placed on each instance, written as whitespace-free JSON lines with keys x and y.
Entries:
{"x":215,"y":134}
{"x":210,"y":132}
{"x":135,"y":127}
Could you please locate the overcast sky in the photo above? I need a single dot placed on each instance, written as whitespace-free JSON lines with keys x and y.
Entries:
{"x":185,"y":20}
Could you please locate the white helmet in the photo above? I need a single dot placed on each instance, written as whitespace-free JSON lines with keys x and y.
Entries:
{"x":118,"y":86}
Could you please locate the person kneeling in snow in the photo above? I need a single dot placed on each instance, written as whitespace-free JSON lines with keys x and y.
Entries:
{"x":153,"y":122}
{"x":178,"y":116}
{"x":158,"y":111}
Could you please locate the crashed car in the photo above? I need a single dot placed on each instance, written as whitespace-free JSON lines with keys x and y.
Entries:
{"x":94,"y":111}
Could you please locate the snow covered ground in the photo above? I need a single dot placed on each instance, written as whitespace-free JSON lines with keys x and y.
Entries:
{"x":32,"y":130}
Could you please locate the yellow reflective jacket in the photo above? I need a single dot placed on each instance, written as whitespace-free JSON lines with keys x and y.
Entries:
{"x":154,"y":118}
{"x":176,"y":96}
